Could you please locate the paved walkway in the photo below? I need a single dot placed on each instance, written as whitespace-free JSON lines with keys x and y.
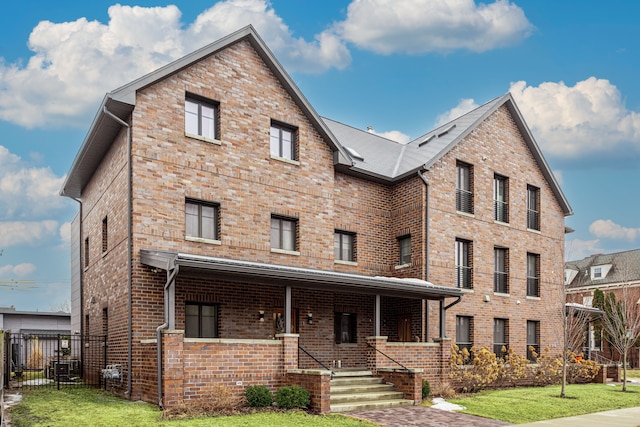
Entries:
{"x":412,"y":416}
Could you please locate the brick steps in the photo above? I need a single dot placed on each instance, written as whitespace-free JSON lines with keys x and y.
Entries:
{"x":359,"y":390}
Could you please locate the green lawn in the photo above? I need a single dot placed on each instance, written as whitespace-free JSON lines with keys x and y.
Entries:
{"x":520,"y":405}
{"x":90,"y":407}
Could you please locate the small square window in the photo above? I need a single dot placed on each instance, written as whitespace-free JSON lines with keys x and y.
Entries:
{"x":202,"y":219}
{"x":201,"y":320}
{"x":283,"y":141}
{"x":404,"y":243}
{"x":284,"y":233}
{"x":201,"y":118}
{"x":344,"y":246}
{"x":345,"y":328}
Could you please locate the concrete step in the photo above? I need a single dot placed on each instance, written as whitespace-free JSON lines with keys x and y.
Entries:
{"x":360,"y":388}
{"x":366,"y":397}
{"x":366,"y":405}
{"x":351,"y":372}
{"x":355,"y":381}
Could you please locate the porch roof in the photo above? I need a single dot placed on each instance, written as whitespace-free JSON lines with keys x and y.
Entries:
{"x":237,"y":270}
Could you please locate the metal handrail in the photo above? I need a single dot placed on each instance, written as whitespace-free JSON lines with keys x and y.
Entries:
{"x":317,"y":361}
{"x":390,"y":358}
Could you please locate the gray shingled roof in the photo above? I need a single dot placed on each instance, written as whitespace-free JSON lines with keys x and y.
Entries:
{"x":625,"y":268}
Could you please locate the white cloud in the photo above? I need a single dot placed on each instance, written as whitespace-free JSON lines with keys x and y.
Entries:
{"x":576,"y":249}
{"x":394,"y":135}
{"x":463,"y":107}
{"x":583,"y":120}
{"x":27,"y":191}
{"x":20,"y":270}
{"x":419,"y":26}
{"x":75,"y":63}
{"x":14,"y":233}
{"x":607,"y":229}
{"x":65,"y":232}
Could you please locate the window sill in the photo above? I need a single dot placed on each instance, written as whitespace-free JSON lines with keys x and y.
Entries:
{"x":466,"y":290}
{"x":284,"y":251}
{"x":533,"y":230}
{"x":402,"y":266}
{"x":506,"y":224}
{"x":285,"y":160}
{"x":343,"y":262}
{"x":501,"y":294}
{"x":533,"y":298}
{"x":201,"y":240}
{"x":470,"y":215}
{"x":203,"y":138}
{"x":348,"y":344}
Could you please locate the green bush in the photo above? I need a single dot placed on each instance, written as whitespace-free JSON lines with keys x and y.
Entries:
{"x":258,"y":396}
{"x":426,"y":389}
{"x":292,"y":397}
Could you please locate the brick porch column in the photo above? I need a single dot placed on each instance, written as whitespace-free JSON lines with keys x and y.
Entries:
{"x":444,"y":355}
{"x":172,"y":368}
{"x":375,"y":359}
{"x":289,"y":350}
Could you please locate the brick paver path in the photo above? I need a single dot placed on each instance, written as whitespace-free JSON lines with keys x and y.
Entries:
{"x":408,"y":416}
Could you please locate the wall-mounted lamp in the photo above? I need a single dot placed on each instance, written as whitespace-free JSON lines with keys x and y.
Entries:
{"x":487,"y":299}
{"x":310,"y":318}
{"x":261,"y":316}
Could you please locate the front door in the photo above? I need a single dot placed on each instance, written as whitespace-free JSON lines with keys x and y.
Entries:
{"x":278,"y":320}
{"x":404,"y":327}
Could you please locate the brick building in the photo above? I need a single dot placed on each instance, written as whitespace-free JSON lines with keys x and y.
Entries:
{"x":617,"y":273}
{"x":230,"y":235}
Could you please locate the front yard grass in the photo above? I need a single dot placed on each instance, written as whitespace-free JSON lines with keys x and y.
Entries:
{"x":525,"y":405}
{"x":91,"y":407}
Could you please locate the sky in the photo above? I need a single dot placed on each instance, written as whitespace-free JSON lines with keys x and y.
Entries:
{"x":399,"y":66}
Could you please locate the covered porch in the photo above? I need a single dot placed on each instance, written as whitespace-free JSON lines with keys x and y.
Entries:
{"x":278,"y":325}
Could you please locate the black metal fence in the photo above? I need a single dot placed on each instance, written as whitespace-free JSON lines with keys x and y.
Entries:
{"x":54,"y":361}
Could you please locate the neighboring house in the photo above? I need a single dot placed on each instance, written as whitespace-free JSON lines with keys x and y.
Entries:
{"x":26,"y":326}
{"x":231,"y":233}
{"x":609,"y":273}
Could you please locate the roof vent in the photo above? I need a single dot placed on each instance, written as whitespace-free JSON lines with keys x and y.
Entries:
{"x":353,"y":153}
{"x":426,"y":141}
{"x":446,"y":131}
{"x":370,"y":129}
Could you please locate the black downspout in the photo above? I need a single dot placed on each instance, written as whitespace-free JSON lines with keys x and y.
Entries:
{"x":425,"y":303}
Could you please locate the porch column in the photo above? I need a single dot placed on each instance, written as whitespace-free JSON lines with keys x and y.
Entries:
{"x":443,"y":320}
{"x":287,"y":310}
{"x":376,"y":317}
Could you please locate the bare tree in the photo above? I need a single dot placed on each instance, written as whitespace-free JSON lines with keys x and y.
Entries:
{"x":574,"y":326}
{"x":621,"y":322}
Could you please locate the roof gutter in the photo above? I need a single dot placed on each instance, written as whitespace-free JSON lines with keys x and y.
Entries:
{"x":129,"y":247}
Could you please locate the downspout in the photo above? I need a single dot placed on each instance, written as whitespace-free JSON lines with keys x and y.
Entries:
{"x":81,"y":271}
{"x":130,"y":247}
{"x":425,"y":303}
{"x":171,"y":276}
{"x":443,"y":311}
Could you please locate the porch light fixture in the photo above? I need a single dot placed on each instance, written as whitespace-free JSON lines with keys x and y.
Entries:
{"x":310,"y":318}
{"x":261,"y":315}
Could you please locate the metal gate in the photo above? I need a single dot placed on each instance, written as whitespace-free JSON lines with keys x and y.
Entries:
{"x":54,"y":361}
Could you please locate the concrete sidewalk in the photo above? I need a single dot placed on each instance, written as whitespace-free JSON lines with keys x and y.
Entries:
{"x":629,"y":417}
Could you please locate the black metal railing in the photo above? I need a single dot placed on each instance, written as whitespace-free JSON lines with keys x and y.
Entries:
{"x":501,"y":349}
{"x":501,"y":282}
{"x":533,"y":348}
{"x":464,"y":201}
{"x":464,"y":276}
{"x":533,"y":288}
{"x":533,"y":220}
{"x":501,"y":211}
{"x":390,"y":358}
{"x":315,"y":359}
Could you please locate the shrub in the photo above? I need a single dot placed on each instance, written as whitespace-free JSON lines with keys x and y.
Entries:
{"x":443,"y":389}
{"x":426,"y":389}
{"x":292,"y":397}
{"x":482,"y":372}
{"x":581,"y":371}
{"x":258,"y":396}
{"x":220,"y":401}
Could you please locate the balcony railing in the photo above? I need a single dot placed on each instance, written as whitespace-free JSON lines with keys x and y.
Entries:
{"x":500,"y":349}
{"x":501,"y":282}
{"x":533,"y":220}
{"x":531,"y":348}
{"x":501,"y":211}
{"x":464,"y":277}
{"x":464,"y":201}
{"x":533,"y":288}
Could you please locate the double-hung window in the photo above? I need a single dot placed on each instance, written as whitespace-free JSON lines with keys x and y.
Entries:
{"x":283,"y":233}
{"x":202,"y":219}
{"x":464,"y":187}
{"x":344,"y":246}
{"x":500,"y":198}
{"x":201,"y":320}
{"x":201,"y":118}
{"x":533,"y":275}
{"x":404,"y":243}
{"x":500,"y":337}
{"x":282,"y":141}
{"x":501,"y":270}
{"x":533,"y":339}
{"x":533,"y":208}
{"x":464,"y":332}
{"x":464,"y":265}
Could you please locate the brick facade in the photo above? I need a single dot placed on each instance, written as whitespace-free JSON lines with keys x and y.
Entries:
{"x":241,"y":177}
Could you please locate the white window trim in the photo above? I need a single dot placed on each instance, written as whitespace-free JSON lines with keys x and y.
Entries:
{"x":343,"y":262}
{"x":201,"y":240}
{"x":284,"y":251}
{"x":285,"y":160}
{"x":203,"y":138}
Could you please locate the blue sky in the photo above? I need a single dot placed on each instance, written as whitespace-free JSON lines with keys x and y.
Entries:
{"x":400,"y":66}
